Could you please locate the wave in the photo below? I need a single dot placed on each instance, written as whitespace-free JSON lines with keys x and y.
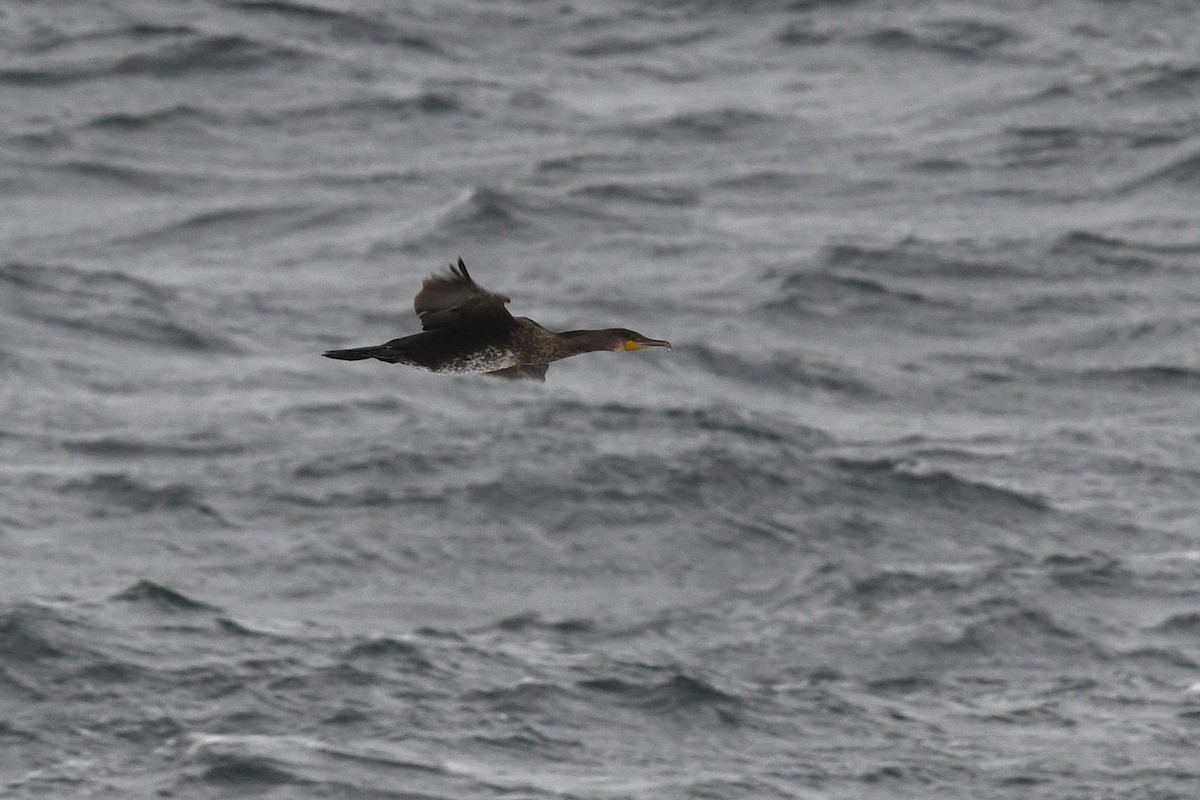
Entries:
{"x":812,"y":293}
{"x":25,"y":635}
{"x":341,"y":24}
{"x":1161,"y":377}
{"x":226,"y":222}
{"x":203,"y":445}
{"x":1155,"y":376}
{"x":1159,"y":659}
{"x":245,"y":764}
{"x":248,"y":772}
{"x":678,"y":694}
{"x":489,"y":214}
{"x":119,"y":492}
{"x":1089,"y":572}
{"x":1059,"y":304}
{"x":1109,"y":348}
{"x":622,"y":44}
{"x":535,"y":621}
{"x":124,"y":176}
{"x":1055,"y":146}
{"x":782,"y":370}
{"x":894,"y":583}
{"x":268,"y":220}
{"x":1181,"y":171}
{"x":746,"y":426}
{"x":396,"y":653}
{"x":761,"y":180}
{"x":1117,"y":250}
{"x":728,"y":423}
{"x":45,"y":138}
{"x":637,"y":192}
{"x":369,"y":107}
{"x":37,"y":77}
{"x":941,"y":486}
{"x":525,"y":697}
{"x":150,"y":331}
{"x":180,"y":118}
{"x":529,"y":741}
{"x":802,"y":34}
{"x":107,"y":303}
{"x":938,"y":165}
{"x":66,"y":280}
{"x":714,"y":125}
{"x":155,"y":595}
{"x":45,"y":654}
{"x":1162,"y":81}
{"x":918,"y":259}
{"x":1006,"y":634}
{"x":189,"y":55}
{"x":1042,"y":145}
{"x":963,"y":39}
{"x":902,"y":684}
{"x":204,"y":54}
{"x":376,"y":460}
{"x":50,"y":38}
{"x":1186,"y":623}
{"x":43,"y":649}
{"x":554,"y":171}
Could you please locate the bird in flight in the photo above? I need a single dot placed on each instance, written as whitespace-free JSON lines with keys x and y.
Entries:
{"x":468,"y":331}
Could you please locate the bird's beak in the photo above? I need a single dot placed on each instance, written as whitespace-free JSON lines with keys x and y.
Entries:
{"x":640,"y":343}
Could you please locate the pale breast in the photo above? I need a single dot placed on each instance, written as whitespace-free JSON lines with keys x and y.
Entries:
{"x":486,"y":359}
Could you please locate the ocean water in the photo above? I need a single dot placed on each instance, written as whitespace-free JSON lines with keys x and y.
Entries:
{"x":909,"y":511}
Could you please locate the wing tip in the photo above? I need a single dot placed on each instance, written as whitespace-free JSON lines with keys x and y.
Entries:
{"x":460,"y":270}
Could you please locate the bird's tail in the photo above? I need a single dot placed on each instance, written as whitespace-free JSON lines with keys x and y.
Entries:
{"x":382,"y":352}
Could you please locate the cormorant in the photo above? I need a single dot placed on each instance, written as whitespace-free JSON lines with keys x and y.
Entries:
{"x":467,"y":330}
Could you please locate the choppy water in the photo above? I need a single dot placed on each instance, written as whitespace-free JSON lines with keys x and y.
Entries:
{"x":909,"y":511}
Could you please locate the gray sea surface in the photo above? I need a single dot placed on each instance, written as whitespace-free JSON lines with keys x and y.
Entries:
{"x":911,"y":510}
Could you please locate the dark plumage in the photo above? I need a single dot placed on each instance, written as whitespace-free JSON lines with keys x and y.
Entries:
{"x":467,"y":330}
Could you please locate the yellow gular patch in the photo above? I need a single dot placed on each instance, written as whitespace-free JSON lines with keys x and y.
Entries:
{"x":630,"y":344}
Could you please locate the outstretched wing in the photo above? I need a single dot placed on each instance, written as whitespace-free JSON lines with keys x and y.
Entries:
{"x":535,"y":372}
{"x":455,"y":299}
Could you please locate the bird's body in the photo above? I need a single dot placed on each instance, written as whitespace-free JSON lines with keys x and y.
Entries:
{"x":467,"y":330}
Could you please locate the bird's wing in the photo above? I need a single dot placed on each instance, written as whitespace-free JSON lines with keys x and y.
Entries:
{"x":536,"y":372}
{"x":455,"y":299}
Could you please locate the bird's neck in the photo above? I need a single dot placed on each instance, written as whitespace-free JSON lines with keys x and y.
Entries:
{"x":576,"y":342}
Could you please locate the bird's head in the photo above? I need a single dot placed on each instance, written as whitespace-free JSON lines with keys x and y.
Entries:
{"x":622,"y":339}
